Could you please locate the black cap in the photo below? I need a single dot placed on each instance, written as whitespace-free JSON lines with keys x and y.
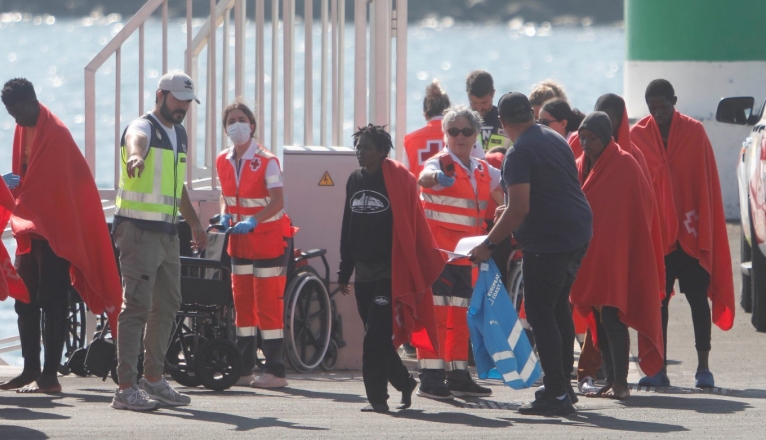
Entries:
{"x":513,"y":105}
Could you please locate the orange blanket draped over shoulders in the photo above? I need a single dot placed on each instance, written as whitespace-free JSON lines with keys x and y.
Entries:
{"x":621,"y":268}
{"x":689,"y":174}
{"x":58,"y":200}
{"x":11,"y":283}
{"x":415,"y":262}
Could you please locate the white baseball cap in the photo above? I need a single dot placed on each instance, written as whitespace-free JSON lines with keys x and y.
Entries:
{"x":179,"y":84}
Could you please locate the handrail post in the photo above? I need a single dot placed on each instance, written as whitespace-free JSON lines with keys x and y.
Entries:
{"x":308,"y":73}
{"x":360,"y":63}
{"x":191,"y":118}
{"x":90,"y":120}
{"x":401,"y":76}
{"x":323,"y":80}
{"x":260,"y":69}
{"x":274,"y":73}
{"x":240,"y":21}
{"x":288,"y":19}
{"x":211,"y":80}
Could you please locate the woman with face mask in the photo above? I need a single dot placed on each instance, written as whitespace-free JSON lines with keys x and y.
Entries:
{"x":252,"y":204}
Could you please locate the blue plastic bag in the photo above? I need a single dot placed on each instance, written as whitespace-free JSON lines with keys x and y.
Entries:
{"x":500,"y":345}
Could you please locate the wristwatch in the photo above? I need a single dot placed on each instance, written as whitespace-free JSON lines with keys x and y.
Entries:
{"x":491,"y":246}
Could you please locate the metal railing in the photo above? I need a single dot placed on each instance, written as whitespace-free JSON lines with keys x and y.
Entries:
{"x":385,"y":23}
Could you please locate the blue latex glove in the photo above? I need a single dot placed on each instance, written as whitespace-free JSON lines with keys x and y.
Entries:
{"x":444,"y":180}
{"x":225,"y":221}
{"x":245,"y":226}
{"x":11,"y":180}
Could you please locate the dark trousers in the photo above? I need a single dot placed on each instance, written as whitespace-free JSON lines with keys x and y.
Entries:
{"x":694,"y":281}
{"x":614,"y":342}
{"x":380,"y":361}
{"x":547,"y":281}
{"x":47,"y":279}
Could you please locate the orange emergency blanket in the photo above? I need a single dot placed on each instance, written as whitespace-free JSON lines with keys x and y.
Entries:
{"x":621,"y":268}
{"x":686,"y":172}
{"x":57,"y":199}
{"x":10,"y":282}
{"x":416,"y":262}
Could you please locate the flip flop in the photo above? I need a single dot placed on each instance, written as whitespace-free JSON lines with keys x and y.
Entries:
{"x":704,"y":379}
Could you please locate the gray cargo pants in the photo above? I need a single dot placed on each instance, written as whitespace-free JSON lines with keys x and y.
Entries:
{"x":151,"y":289}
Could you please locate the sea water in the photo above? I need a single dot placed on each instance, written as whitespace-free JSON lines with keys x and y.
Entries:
{"x":52,"y":53}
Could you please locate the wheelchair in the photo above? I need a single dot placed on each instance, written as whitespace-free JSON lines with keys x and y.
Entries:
{"x":202,"y":349}
{"x":515,"y":288}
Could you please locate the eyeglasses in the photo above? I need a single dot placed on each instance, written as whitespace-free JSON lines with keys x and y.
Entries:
{"x":467,"y":132}
{"x":546,"y":122}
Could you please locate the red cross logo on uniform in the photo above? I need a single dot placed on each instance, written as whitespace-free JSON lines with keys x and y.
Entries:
{"x":431,"y":148}
{"x":255,"y":164}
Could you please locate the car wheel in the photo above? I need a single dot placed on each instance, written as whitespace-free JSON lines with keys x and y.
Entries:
{"x":758,"y":283}
{"x":745,"y":254}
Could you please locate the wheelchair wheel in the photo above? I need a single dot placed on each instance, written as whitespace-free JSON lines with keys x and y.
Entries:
{"x":308,"y":316}
{"x":75,"y":337}
{"x":331,"y":357}
{"x":217,"y":364}
{"x":179,"y":360}
{"x":515,"y":290}
{"x":260,"y":358}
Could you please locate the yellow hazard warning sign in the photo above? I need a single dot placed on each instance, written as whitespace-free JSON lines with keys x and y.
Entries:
{"x":326,"y":180}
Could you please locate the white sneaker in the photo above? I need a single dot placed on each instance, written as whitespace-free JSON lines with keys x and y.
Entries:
{"x":164,"y":393}
{"x":134,"y":399}
{"x":588,"y":385}
{"x":268,"y":380}
{"x":245,"y":381}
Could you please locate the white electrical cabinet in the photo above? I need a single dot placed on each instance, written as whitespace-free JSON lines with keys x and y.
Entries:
{"x":315,"y":191}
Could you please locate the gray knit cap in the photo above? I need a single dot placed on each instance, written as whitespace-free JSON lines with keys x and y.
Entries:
{"x":600,"y":125}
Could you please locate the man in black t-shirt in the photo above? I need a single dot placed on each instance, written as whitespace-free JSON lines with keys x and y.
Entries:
{"x":481,"y":94}
{"x":365,"y":247}
{"x":552,"y":221}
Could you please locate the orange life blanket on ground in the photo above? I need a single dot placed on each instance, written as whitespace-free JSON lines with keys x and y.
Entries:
{"x":11,"y":283}
{"x":621,"y":268}
{"x":688,"y":171}
{"x":415,"y":262}
{"x":58,"y":200}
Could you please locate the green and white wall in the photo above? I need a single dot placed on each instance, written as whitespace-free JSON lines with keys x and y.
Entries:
{"x":708,"y":49}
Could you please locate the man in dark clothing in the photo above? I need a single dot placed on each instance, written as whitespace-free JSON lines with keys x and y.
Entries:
{"x":481,"y":92}
{"x":552,"y":221}
{"x":366,"y":246}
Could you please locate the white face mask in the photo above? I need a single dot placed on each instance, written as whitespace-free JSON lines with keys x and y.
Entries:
{"x":239,"y":132}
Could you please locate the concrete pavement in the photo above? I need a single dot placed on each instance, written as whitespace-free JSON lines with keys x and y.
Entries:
{"x":327,"y":405}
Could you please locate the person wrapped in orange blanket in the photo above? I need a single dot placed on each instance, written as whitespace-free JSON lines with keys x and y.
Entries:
{"x":385,"y":239}
{"x":685,"y":176}
{"x":61,"y":234}
{"x":614,"y":107}
{"x":618,"y":284}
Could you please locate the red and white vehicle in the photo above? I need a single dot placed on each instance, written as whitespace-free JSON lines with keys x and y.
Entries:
{"x":751,"y":180}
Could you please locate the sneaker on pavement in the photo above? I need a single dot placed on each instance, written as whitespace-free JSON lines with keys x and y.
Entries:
{"x":546,"y":405}
{"x":570,"y":390}
{"x":163,"y":392}
{"x":268,"y":380}
{"x":658,"y":380}
{"x":134,"y":399}
{"x":588,"y":385}
{"x":434,"y":392}
{"x":245,"y":381}
{"x":467,"y":387}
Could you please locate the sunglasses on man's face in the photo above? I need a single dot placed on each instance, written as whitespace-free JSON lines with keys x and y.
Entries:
{"x":546,"y":122}
{"x":467,"y":132}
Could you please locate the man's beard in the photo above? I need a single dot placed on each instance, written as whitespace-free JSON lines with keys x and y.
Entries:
{"x":175,"y":117}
